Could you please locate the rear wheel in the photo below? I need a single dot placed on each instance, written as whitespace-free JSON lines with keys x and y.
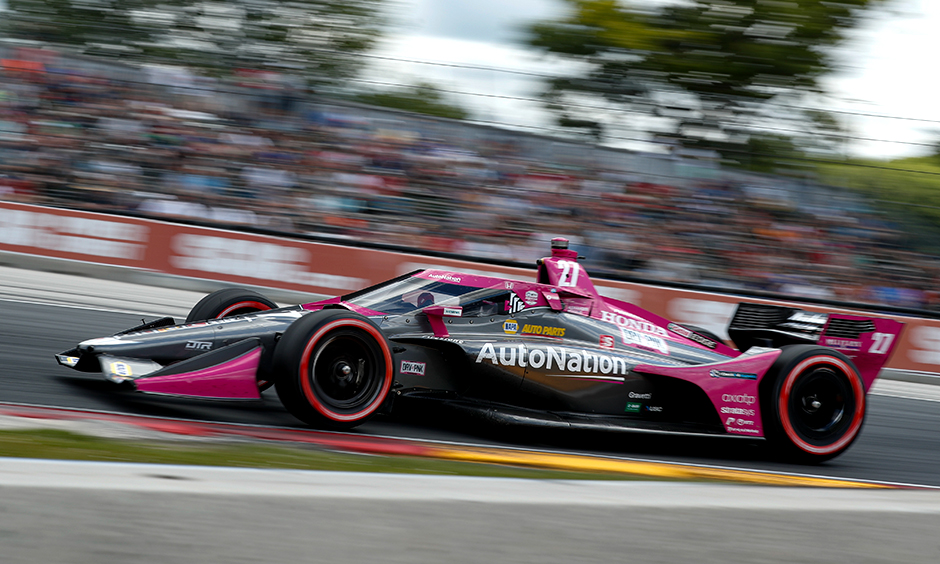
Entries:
{"x":229,"y":302}
{"x":333,"y":369}
{"x":815,"y":407}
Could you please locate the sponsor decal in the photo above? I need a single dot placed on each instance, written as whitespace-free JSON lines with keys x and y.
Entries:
{"x":634,"y":324}
{"x":121,"y":369}
{"x":560,"y":358}
{"x":69,"y":360}
{"x":637,"y":395}
{"x":510,"y":326}
{"x":729,"y":421}
{"x":607,"y":342}
{"x":198,"y":345}
{"x":805,"y":321}
{"x":632,"y":407}
{"x":529,"y":329}
{"x":691,"y":335}
{"x":448,"y":339}
{"x":645,"y":340}
{"x":809,"y":317}
{"x":253,"y":259}
{"x":747,"y":422}
{"x":578,"y":309}
{"x":412,"y":367}
{"x":654,"y":408}
{"x":742,"y":430}
{"x":514,"y":304}
{"x":739,"y":398}
{"x":531,"y":297}
{"x":509,"y":285}
{"x":738,"y":411}
{"x":842,"y":344}
{"x":453,"y":311}
{"x":727,"y":374}
{"x":448,"y":277}
{"x":86,"y":236}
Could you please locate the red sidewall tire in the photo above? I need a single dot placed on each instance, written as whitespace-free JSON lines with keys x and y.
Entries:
{"x":246,"y":306}
{"x":857,"y":416}
{"x":308,"y":356}
{"x":813,"y":403}
{"x":307,"y":382}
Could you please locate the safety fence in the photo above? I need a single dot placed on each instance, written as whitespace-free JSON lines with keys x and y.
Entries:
{"x":323,"y":268}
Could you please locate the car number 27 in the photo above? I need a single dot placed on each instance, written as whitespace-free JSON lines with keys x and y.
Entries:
{"x":569,"y":273}
{"x":881,"y":342}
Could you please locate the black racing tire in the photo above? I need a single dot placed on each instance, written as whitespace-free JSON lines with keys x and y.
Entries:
{"x":813,"y":403}
{"x":229,"y":302}
{"x":333,"y":369}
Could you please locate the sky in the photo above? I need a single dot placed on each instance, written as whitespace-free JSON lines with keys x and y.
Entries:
{"x":888,"y":70}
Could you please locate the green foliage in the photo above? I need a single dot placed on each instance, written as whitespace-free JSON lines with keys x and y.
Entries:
{"x":317,"y":39}
{"x":422,"y":99}
{"x":908,"y":190}
{"x":713,"y":72}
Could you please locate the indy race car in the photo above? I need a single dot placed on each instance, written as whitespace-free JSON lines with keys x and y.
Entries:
{"x":551,"y":352}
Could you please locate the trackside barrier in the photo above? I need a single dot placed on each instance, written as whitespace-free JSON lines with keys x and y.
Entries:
{"x":322,"y":268}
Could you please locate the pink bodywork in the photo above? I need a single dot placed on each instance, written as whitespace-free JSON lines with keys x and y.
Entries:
{"x":232,"y":380}
{"x":871,"y":350}
{"x":735,"y":399}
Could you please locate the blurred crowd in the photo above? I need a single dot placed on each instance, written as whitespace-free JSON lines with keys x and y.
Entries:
{"x":83,"y":139}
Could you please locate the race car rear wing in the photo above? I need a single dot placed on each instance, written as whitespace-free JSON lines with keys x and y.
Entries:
{"x":868,"y":341}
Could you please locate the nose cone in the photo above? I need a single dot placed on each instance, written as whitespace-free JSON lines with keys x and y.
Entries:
{"x":105,"y":344}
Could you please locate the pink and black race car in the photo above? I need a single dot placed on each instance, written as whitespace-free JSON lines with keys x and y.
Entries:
{"x":550,"y":352}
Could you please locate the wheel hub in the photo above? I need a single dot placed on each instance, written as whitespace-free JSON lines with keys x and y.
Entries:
{"x":811,"y":404}
{"x":342,"y":372}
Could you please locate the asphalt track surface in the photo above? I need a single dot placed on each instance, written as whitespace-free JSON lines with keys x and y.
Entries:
{"x":44,"y":314}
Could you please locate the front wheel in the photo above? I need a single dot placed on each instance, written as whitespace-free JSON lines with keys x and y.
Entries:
{"x":814,"y":407}
{"x":333,"y":369}
{"x":228,"y":302}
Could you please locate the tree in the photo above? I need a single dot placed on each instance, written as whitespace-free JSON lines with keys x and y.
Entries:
{"x":320,"y":40}
{"x":422,"y":99}
{"x":713,"y":74}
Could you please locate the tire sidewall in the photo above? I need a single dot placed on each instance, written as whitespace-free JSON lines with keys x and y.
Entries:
{"x":794,"y":363}
{"x":293,"y":364}
{"x":228,"y":301}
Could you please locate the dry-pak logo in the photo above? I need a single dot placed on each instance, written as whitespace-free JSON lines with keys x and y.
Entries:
{"x":514,"y":304}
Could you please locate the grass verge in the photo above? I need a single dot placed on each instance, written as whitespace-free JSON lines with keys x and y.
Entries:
{"x":64,"y":445}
